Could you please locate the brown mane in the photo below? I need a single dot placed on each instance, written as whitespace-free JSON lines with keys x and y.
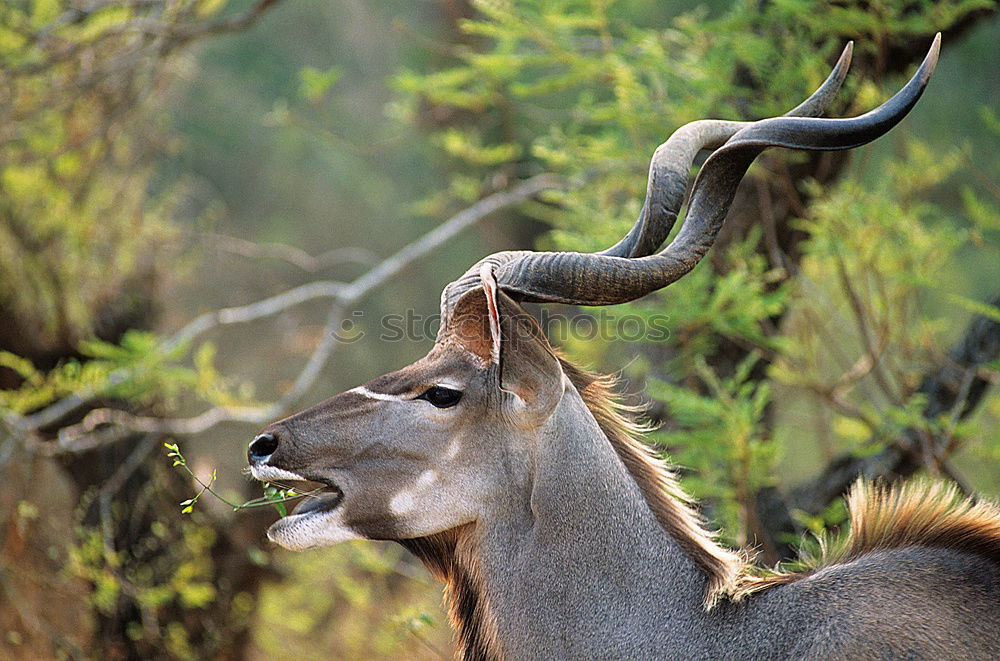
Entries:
{"x":671,"y":506}
{"x":452,"y":558}
{"x":917,"y":513}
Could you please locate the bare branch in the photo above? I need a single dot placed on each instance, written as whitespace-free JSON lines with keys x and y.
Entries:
{"x":106,"y":425}
{"x":291,"y":254}
{"x":446,"y":231}
{"x":350,"y":294}
{"x":253,"y":311}
{"x":873,"y":348}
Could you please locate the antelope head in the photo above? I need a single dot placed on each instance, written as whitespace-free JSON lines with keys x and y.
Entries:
{"x":424,"y":449}
{"x":452,"y":439}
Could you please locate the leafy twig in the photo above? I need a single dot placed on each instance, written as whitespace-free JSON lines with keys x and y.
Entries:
{"x":274,"y":496}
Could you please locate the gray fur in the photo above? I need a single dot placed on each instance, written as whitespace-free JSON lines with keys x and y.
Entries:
{"x":589,"y":573}
{"x":574,"y":563}
{"x":518,"y":498}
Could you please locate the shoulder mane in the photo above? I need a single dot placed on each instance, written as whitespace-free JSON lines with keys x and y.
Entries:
{"x":917,"y":513}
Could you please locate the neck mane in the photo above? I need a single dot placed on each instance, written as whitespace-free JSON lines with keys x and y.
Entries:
{"x":917,"y":513}
{"x":664,"y":496}
{"x":452,"y":557}
{"x":920,"y":513}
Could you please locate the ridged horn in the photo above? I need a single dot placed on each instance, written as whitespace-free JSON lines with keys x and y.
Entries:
{"x":670,"y":167}
{"x":625,"y":272}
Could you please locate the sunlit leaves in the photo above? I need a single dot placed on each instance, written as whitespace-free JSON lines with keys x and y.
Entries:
{"x":80,"y":230}
{"x":314,"y":83}
{"x":469,"y":147}
{"x":136,"y":369}
{"x":209,"y":7}
{"x":720,"y":435}
{"x":861,"y":336}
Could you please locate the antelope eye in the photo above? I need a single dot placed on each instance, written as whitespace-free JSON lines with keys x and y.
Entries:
{"x":441,"y":397}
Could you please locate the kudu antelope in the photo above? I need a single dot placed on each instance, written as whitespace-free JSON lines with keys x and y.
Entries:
{"x":517,"y":480}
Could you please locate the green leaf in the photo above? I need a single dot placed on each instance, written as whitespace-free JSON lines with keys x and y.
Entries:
{"x":314,"y":83}
{"x":976,"y":307}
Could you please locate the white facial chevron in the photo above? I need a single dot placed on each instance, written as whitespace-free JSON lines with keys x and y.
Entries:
{"x":361,"y":390}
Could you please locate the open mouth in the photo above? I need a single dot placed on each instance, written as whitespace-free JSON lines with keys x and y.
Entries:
{"x":318,"y":495}
{"x":318,"y":519}
{"x":324,"y":498}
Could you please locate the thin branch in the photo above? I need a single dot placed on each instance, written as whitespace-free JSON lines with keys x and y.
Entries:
{"x":105,"y":425}
{"x":874,"y":349}
{"x":291,"y":254}
{"x":446,"y":231}
{"x":777,"y":257}
{"x":952,"y":474}
{"x":946,"y":389}
{"x":350,"y":294}
{"x":941,"y":454}
{"x":835,"y":398}
{"x":257,"y":310}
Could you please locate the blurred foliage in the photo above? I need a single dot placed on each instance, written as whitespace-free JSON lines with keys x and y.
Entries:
{"x":80,"y":234}
{"x":895,"y":259}
{"x":137,"y":369}
{"x":882,"y":245}
{"x":355,"y":601}
{"x":580,"y":87}
{"x":86,"y":236}
{"x":588,"y":88}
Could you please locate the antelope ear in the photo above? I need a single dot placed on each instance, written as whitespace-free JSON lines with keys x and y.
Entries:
{"x":474,"y":324}
{"x":499,"y":332}
{"x":529,"y":369}
{"x":492,"y":310}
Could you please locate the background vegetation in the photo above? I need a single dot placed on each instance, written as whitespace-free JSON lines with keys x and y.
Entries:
{"x":161,"y":160}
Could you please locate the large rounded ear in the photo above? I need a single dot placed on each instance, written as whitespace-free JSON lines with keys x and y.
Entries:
{"x":470,"y":325}
{"x":502,"y":335}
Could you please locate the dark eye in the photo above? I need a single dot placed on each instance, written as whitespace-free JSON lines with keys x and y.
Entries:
{"x":441,"y":397}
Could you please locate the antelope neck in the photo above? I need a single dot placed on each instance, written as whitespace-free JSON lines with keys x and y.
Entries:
{"x":586,"y":561}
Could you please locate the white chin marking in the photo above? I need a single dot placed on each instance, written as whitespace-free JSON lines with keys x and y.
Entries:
{"x":361,"y":390}
{"x":298,"y":532}
{"x":265,"y":473}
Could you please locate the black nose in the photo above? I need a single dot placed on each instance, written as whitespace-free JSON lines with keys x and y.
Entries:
{"x":261,"y":448}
